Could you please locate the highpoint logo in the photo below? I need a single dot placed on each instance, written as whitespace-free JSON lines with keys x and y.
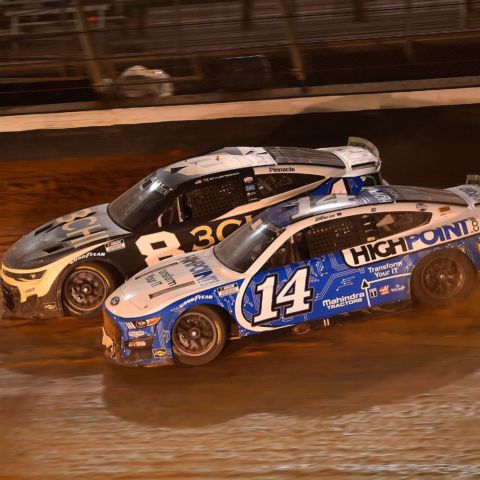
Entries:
{"x":373,"y":252}
{"x":199,"y":269}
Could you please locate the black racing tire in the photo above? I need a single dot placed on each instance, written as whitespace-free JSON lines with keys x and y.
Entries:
{"x":85,"y":288}
{"x":442,"y":278}
{"x":199,"y":336}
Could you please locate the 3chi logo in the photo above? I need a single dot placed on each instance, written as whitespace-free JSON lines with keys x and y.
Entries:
{"x":294,"y":297}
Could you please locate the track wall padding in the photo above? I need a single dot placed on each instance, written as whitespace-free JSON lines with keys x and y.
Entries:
{"x":429,"y":146}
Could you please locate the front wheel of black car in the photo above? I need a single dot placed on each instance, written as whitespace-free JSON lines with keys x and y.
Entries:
{"x":199,"y":336}
{"x":85,"y":289}
{"x":442,"y":278}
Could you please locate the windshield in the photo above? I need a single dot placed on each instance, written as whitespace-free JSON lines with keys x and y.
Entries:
{"x":138,"y":203}
{"x":240,"y":249}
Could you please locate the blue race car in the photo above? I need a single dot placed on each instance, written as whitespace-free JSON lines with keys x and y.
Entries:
{"x":307,"y":259}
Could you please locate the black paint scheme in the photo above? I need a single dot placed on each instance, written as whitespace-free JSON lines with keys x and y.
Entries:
{"x":131,"y":233}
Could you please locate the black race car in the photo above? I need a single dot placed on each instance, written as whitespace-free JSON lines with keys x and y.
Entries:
{"x":71,"y":264}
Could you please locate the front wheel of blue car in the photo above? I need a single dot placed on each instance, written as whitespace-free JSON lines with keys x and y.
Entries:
{"x":199,"y":336}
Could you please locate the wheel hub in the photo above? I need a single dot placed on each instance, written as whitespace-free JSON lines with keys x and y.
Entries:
{"x":85,"y":290}
{"x":443,"y":278}
{"x":194,"y":334}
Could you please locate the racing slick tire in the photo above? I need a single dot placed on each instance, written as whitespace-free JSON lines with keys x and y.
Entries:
{"x":85,"y":289}
{"x":199,"y":336}
{"x":443,"y":277}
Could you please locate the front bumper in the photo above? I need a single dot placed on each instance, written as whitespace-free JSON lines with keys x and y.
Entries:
{"x":33,"y":307}
{"x":115,"y":340}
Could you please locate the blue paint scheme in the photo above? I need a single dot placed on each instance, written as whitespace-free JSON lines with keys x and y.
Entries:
{"x":338,"y":289}
{"x":353,"y":185}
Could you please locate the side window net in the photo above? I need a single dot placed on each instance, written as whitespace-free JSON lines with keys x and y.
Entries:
{"x":216,"y":197}
{"x":339,"y":234}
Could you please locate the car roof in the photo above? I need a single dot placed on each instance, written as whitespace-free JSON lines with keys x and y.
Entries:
{"x":298,"y":209}
{"x":358,"y":154}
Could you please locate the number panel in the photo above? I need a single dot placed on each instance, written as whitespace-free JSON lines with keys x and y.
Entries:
{"x":331,"y":288}
{"x":292,"y":298}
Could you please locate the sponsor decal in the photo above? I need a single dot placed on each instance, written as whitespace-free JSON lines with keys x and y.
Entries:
{"x":83,"y":227}
{"x":50,"y":307}
{"x":373,"y":252}
{"x":343,"y":301}
{"x":443,"y":210}
{"x":398,"y":288}
{"x":196,"y":298}
{"x":115,"y":301}
{"x":472,"y":192}
{"x":330,"y":216}
{"x":137,"y":334}
{"x":281,"y":169}
{"x":227,"y":290}
{"x":200,"y":270}
{"x":384,"y":290}
{"x":386,"y":270}
{"x":165,"y":277}
{"x":85,"y":256}
{"x":249,"y":188}
{"x":421,"y":207}
{"x":115,"y":245}
{"x":373,"y":293}
{"x":218,"y":177}
{"x":159,"y":353}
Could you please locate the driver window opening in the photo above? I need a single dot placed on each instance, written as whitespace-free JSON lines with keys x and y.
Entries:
{"x":291,"y":251}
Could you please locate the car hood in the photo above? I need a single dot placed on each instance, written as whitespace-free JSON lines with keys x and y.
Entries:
{"x":166,"y":282}
{"x":62,"y":236}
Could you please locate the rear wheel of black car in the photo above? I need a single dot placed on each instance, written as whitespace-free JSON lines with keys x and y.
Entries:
{"x":85,"y":289}
{"x":443,"y":277}
{"x":199,"y":336}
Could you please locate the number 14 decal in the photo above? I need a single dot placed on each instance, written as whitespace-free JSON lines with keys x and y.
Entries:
{"x":295,"y":296}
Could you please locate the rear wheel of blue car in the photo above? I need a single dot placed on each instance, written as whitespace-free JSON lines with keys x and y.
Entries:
{"x":443,"y":277}
{"x":85,"y":289}
{"x":199,"y":336}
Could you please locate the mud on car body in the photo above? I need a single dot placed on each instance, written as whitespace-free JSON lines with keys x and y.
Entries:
{"x":71,"y":264}
{"x":312,"y":258}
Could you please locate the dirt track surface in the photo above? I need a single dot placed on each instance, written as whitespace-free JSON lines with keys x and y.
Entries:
{"x":396,"y":396}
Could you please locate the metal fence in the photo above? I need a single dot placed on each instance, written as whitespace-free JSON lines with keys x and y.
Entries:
{"x":64,"y":50}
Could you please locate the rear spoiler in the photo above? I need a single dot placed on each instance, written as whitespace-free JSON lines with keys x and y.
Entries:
{"x":362,"y":143}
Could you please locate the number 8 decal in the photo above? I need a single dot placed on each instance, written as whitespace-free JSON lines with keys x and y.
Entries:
{"x":295,"y":296}
{"x":157,"y":246}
